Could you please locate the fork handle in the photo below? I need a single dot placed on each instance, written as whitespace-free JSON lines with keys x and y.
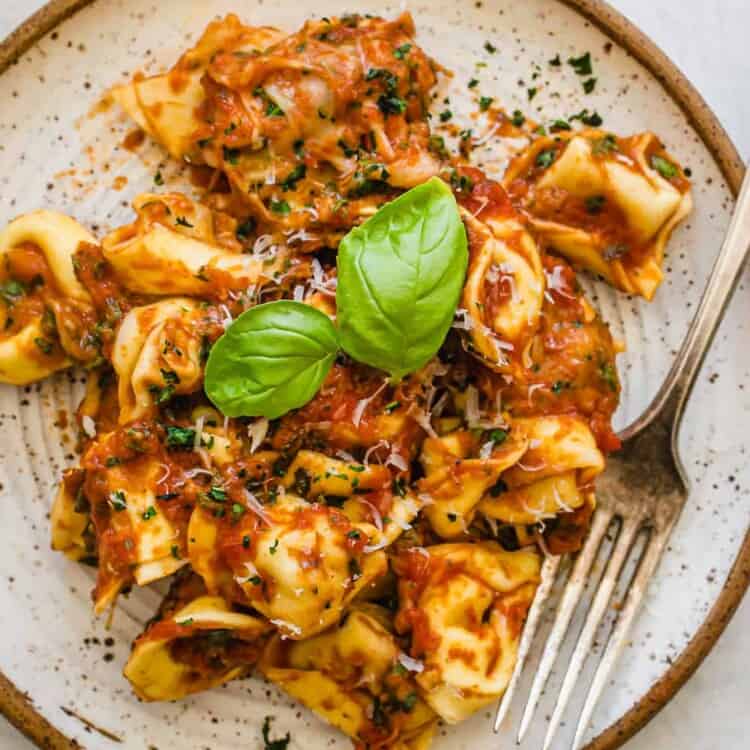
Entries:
{"x":669,"y":403}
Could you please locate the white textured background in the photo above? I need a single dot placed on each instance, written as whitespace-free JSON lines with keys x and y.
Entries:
{"x":708,"y":41}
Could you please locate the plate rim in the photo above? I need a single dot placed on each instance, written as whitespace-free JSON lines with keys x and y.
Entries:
{"x":18,"y":707}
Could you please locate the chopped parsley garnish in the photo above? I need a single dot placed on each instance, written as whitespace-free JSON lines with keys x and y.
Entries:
{"x":11,"y":291}
{"x":400,"y":52}
{"x":230,"y":128}
{"x":217,"y":494}
{"x":391,"y":105}
{"x":183,"y":222}
{"x":389,"y":79}
{"x":43,"y":345}
{"x":605,"y":145}
{"x":445,"y":115}
{"x":589,"y":84}
{"x":280,"y":207}
{"x":473,"y":83}
{"x":170,"y":377}
{"x":531,"y":93}
{"x":161,"y":394}
{"x":180,"y":437}
{"x":665,"y":168}
{"x":354,"y":534}
{"x":348,"y":150}
{"x":559,"y":125}
{"x":158,"y":179}
{"x":272,"y":109}
{"x":436,"y":144}
{"x":175,"y":551}
{"x":498,"y":437}
{"x":491,"y":48}
{"x":485,"y":102}
{"x":255,"y":580}
{"x":291,"y":180}
{"x":272,"y":549}
{"x":186,"y":623}
{"x":117,"y":500}
{"x":390,"y":408}
{"x":399,"y":487}
{"x":238,"y":510}
{"x":582,"y":64}
{"x":149,"y":513}
{"x":246,"y":228}
{"x":560,"y":385}
{"x":277,"y":744}
{"x":498,"y":488}
{"x":555,"y":62}
{"x":246,"y":542}
{"x":593,"y":119}
{"x":545,"y":158}
{"x":595,"y":203}
{"x":408,"y":703}
{"x":231,"y":155}
{"x":518,"y":119}
{"x":609,"y":375}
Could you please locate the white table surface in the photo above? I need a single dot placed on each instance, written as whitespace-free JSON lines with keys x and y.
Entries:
{"x":708,"y":41}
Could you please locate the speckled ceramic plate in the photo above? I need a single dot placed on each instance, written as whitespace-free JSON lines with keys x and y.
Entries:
{"x":62,"y":678}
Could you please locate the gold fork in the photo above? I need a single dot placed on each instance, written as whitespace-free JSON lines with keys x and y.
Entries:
{"x":642,"y":490}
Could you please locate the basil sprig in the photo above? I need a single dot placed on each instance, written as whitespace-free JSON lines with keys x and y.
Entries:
{"x":272,"y":359}
{"x":400,"y":276}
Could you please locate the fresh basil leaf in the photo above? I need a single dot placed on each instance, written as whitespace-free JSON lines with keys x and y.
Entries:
{"x":400,"y":276}
{"x":272,"y":359}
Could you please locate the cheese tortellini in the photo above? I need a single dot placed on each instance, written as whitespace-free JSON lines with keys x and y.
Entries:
{"x":354,"y":677}
{"x":561,"y":459}
{"x":504,"y":288}
{"x":455,"y":480}
{"x":43,"y":304}
{"x":301,"y":565}
{"x":157,"y":353}
{"x":465,"y":605}
{"x":173,"y":248}
{"x":608,"y":204}
{"x":165,"y":105}
{"x":195,"y":643}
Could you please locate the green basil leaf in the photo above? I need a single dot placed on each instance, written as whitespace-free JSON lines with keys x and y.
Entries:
{"x":400,"y":277}
{"x":272,"y":359}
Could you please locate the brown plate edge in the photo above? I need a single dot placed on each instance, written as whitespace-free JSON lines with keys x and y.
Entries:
{"x":18,"y":707}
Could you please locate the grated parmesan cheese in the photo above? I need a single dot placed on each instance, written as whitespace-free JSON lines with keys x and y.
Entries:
{"x":257,"y":432}
{"x":88,"y":425}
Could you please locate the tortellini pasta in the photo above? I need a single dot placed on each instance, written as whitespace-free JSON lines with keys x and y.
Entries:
{"x":70,"y":519}
{"x":465,"y":605}
{"x":561,"y":459}
{"x":165,"y":106}
{"x":194,"y":644}
{"x":157,"y":353}
{"x":354,"y":677}
{"x":457,"y":476}
{"x":42,"y":300}
{"x":609,"y":204}
{"x":137,"y":540}
{"x":504,"y":289}
{"x":178,"y":253}
{"x":300,"y":565}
